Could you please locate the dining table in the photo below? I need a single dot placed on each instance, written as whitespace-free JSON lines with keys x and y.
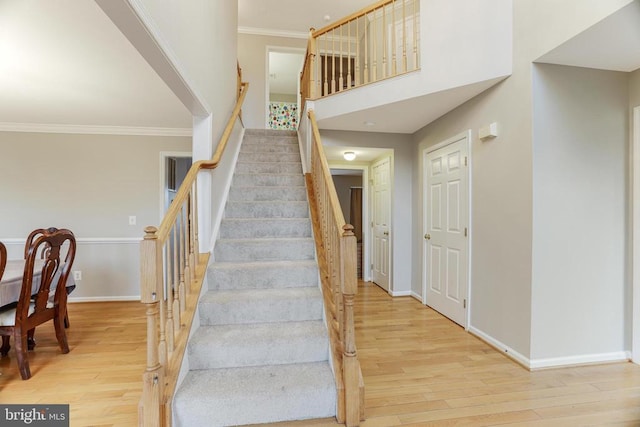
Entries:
{"x":11,"y":282}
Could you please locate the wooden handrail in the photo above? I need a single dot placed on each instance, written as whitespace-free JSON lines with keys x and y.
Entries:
{"x":171,"y":273}
{"x":377,"y":42}
{"x":336,"y":250}
{"x":196,"y":167}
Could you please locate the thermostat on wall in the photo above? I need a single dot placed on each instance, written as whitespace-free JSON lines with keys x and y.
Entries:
{"x":488,"y":132}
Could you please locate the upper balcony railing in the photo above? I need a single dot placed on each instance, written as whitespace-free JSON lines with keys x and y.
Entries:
{"x":375,"y":43}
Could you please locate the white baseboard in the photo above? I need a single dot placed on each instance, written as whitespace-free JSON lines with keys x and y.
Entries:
{"x":551,"y":362}
{"x":503,"y":348}
{"x":104,"y":299}
{"x":583,"y":359}
{"x":400,"y":293}
{"x":416,"y":296}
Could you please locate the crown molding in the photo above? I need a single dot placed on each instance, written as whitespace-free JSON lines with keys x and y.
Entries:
{"x":273,"y":32}
{"x":94,"y":130}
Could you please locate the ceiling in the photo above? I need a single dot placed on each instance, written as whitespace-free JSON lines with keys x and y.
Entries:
{"x":64,"y":62}
{"x":611,"y":44}
{"x":293,"y":17}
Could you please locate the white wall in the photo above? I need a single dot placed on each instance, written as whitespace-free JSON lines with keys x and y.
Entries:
{"x":580,"y":158}
{"x":193,"y":47}
{"x":252,"y":54}
{"x":402,"y":193}
{"x":90,"y":184}
{"x":202,"y":35}
{"x":502,"y":175}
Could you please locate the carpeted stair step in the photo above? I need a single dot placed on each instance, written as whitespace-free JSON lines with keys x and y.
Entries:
{"x":238,"y":250}
{"x":263,"y":179}
{"x":261,"y":275}
{"x":268,"y":157}
{"x":260,"y":353}
{"x":269,"y":140}
{"x":272,"y":133}
{"x":265,"y":194}
{"x":247,"y":228}
{"x":267,"y":209}
{"x":260,"y":305}
{"x":270,"y":148}
{"x":263,"y":394}
{"x":262,"y":167}
{"x":257,"y":344}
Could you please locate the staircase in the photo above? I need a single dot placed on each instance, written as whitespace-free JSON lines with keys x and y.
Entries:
{"x":261,"y":352}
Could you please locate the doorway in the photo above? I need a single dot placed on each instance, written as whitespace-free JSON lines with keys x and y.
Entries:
{"x":283,"y":87}
{"x":350,"y":191}
{"x":173,"y":169}
{"x":446,"y":228}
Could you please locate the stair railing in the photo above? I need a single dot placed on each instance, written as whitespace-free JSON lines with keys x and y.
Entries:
{"x":337,"y":253}
{"x":172,"y":269}
{"x":375,"y":43}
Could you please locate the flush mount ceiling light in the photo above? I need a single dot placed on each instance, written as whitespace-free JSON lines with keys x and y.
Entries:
{"x":349,"y":155}
{"x":369,"y":123}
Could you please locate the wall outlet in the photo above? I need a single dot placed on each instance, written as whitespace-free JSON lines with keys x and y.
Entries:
{"x":77,"y":275}
{"x":132,"y":220}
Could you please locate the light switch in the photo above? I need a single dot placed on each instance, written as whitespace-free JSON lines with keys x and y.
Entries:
{"x":132,"y":220}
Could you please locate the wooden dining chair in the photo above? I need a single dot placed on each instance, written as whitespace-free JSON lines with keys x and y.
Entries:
{"x":27,"y":245}
{"x":40,"y":300}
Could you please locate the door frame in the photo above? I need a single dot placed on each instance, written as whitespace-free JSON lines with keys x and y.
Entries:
{"x":366,"y":256}
{"x":280,"y":49}
{"x":163,"y":174}
{"x":425,"y":276}
{"x":635,"y":235}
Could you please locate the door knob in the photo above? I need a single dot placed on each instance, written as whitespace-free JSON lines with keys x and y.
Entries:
{"x":386,"y":233}
{"x":427,"y":236}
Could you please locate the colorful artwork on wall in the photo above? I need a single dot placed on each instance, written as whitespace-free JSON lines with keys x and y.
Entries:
{"x":283,"y":115}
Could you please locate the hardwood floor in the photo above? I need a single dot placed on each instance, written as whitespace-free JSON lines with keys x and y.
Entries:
{"x":419,"y":368}
{"x":101,"y":377}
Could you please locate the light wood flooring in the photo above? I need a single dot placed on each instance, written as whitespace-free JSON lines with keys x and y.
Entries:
{"x":419,"y":368}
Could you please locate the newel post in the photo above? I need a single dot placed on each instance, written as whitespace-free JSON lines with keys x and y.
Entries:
{"x":153,"y":377}
{"x":349,"y":285}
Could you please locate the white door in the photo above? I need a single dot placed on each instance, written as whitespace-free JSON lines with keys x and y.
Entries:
{"x":381,"y":218}
{"x":446,"y":207}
